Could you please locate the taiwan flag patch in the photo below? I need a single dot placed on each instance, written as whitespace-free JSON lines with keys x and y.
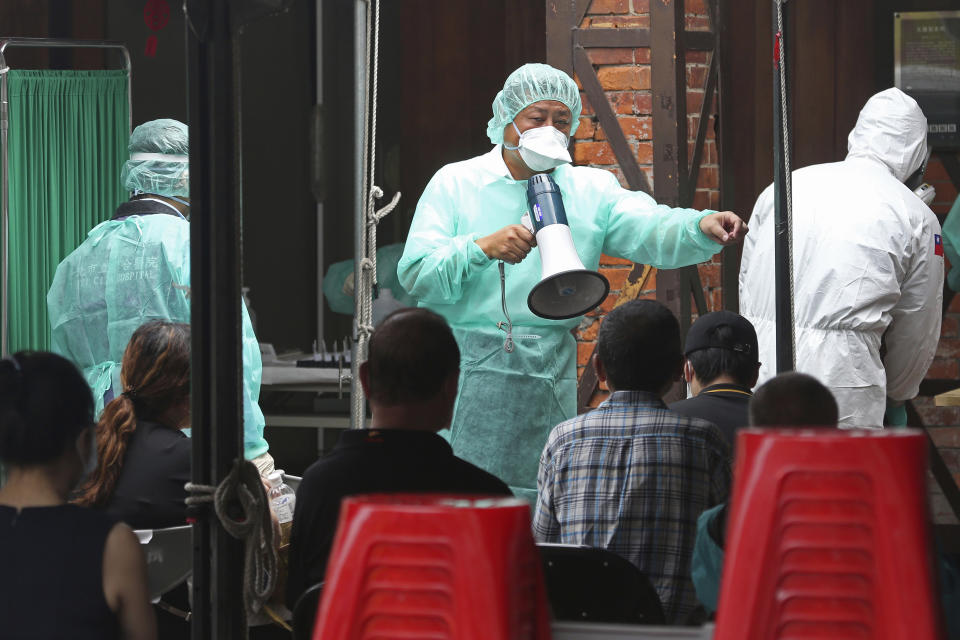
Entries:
{"x":937,"y":245}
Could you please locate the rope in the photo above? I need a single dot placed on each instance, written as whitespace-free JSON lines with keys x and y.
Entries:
{"x":242,"y":487}
{"x":367,"y":285}
{"x":788,"y":174}
{"x":508,"y":343}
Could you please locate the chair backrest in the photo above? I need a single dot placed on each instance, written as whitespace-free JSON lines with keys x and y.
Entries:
{"x":596,"y":585}
{"x":829,"y":537}
{"x":169,"y":554}
{"x":305,"y":612}
{"x":430,"y":566}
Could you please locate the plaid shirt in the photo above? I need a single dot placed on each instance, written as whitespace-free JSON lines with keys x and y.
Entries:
{"x":632,"y":477}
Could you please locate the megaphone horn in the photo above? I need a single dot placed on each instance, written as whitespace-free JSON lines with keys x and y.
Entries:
{"x":566,"y":289}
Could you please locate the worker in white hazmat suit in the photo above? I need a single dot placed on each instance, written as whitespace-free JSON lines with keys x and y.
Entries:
{"x":867,"y":267}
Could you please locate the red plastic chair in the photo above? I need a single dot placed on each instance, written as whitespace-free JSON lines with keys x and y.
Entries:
{"x":829,"y":537}
{"x":431,"y":567}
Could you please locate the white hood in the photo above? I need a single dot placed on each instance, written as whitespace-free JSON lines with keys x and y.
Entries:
{"x":891,"y":129}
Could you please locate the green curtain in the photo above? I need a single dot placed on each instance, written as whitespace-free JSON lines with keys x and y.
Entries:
{"x":67,"y":141}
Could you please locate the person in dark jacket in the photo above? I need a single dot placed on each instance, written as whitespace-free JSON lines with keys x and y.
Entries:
{"x":144,"y":456}
{"x":721,"y":368}
{"x":410,"y":378}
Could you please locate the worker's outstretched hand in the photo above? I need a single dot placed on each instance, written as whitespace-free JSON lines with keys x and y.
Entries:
{"x":724,"y":228}
{"x":510,"y":244}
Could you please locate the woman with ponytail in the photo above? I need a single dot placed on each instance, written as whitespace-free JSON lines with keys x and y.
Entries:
{"x":143,"y":454}
{"x":67,"y":572}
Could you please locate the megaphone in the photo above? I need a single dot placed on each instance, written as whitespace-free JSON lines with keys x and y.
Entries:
{"x":566,"y":289}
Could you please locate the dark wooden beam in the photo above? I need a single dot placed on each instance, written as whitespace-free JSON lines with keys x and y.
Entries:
{"x":559,"y":24}
{"x":635,"y":177}
{"x":612,"y":38}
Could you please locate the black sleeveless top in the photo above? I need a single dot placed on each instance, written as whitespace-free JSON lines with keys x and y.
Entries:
{"x":51,"y":574}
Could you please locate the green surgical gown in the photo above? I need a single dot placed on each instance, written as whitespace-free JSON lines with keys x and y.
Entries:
{"x":508,"y":402}
{"x":127,"y":272}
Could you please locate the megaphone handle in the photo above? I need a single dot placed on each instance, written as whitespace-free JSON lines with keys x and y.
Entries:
{"x":508,"y":343}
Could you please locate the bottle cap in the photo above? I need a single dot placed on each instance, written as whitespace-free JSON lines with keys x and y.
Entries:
{"x":275,"y":478}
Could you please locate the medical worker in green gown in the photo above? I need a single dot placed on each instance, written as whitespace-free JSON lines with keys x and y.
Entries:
{"x":134,"y":268}
{"x":468,"y":220}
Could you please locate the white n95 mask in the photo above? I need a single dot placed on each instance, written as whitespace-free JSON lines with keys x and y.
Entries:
{"x":542,"y":148}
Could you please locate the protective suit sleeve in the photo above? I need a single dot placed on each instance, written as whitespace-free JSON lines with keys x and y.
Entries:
{"x":641,"y":230}
{"x":436,"y":260}
{"x":914,"y":331}
{"x":254,"y":443}
{"x":546,"y":528}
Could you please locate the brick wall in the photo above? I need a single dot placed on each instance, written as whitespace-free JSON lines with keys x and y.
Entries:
{"x":625,"y":77}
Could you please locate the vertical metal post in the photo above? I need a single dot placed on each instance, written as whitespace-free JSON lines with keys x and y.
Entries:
{"x":217,"y":415}
{"x":4,"y":209}
{"x":357,"y":399}
{"x":783,"y":275}
{"x":668,"y":80}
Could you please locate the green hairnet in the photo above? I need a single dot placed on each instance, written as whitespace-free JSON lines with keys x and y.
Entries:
{"x":159,"y":159}
{"x":528,"y":84}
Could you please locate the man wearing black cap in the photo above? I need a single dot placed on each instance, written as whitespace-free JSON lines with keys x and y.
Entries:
{"x":721,"y":368}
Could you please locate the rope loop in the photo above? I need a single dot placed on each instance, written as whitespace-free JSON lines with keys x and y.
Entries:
{"x":243,"y":509}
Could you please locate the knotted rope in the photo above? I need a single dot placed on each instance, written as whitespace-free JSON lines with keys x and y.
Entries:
{"x":242,"y":487}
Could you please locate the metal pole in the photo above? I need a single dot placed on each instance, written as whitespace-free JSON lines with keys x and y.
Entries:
{"x":218,"y":610}
{"x":47,"y":43}
{"x":357,"y":400}
{"x":783,"y":273}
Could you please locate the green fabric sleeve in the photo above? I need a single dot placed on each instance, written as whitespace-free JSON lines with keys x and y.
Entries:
{"x":437,"y":261}
{"x":641,"y":230}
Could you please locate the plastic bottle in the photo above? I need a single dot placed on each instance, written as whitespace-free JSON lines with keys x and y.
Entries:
{"x":283,"y":500}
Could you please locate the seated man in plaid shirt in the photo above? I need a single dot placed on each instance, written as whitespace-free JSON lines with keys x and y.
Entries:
{"x":632,"y":476}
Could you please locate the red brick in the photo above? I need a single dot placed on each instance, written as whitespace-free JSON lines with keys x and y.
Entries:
{"x":645,"y":152}
{"x":933,"y":416}
{"x":622,"y":102}
{"x":641,"y":55}
{"x":590,"y":333}
{"x":944,"y":369}
{"x":695,"y":6}
{"x":641,"y":6}
{"x":621,"y":78}
{"x":639,"y":127}
{"x":948,"y":348}
{"x":586,"y":129}
{"x":693,"y":123}
{"x":608,"y":303}
{"x":697,"y":23}
{"x":617,"y":277}
{"x":715,"y":200}
{"x":605,"y":55}
{"x":585,"y":23}
{"x":950,"y":326}
{"x":694,"y":101}
{"x":946,"y":437}
{"x":609,"y":6}
{"x":643,"y":103}
{"x":584,"y":351}
{"x":610,"y":261}
{"x":709,"y":178}
{"x":700,"y":57}
{"x":697,"y":76}
{"x":946,"y":193}
{"x":593,"y":153}
{"x":620,"y":22}
{"x":709,"y":275}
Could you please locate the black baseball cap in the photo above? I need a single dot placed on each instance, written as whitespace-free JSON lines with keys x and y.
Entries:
{"x":703,"y":335}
